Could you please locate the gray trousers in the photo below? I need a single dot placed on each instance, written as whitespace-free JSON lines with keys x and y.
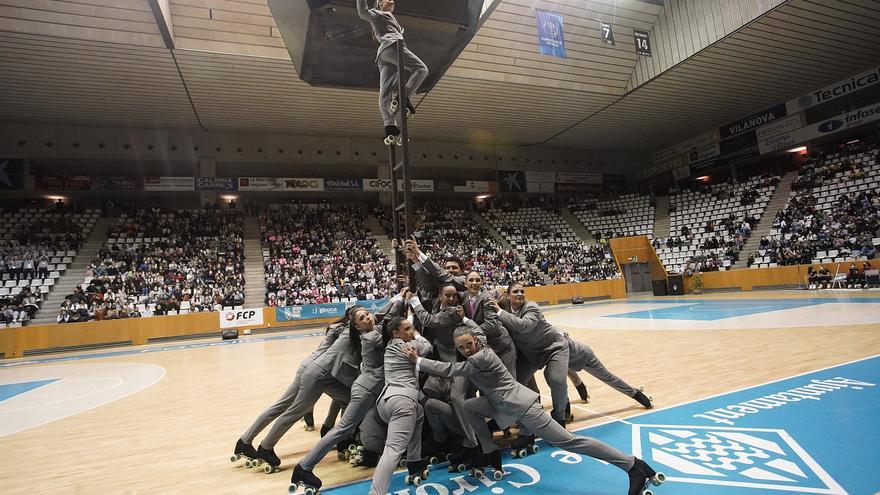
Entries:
{"x":556,"y":374}
{"x":595,"y":367}
{"x":442,"y":419}
{"x":373,"y":431}
{"x":362,"y":400}
{"x":404,"y":417}
{"x":277,"y":408}
{"x":574,"y":377}
{"x":541,"y":424}
{"x":315,"y":381}
{"x":387,"y":62}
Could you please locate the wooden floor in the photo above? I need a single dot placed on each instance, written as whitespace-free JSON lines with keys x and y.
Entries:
{"x":176,"y":436}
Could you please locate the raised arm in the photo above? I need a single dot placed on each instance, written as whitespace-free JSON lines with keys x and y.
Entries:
{"x":440,"y":273}
{"x":491,"y":325}
{"x":443,"y":318}
{"x":363,"y":12}
{"x":449,"y":370}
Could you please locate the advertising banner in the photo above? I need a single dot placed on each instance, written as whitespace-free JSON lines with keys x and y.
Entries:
{"x":114,"y":183}
{"x":578,"y":178}
{"x":384,"y":185}
{"x":752,"y":121}
{"x":703,"y":155}
{"x":681,"y":172}
{"x":166,"y":183}
{"x":540,"y":176}
{"x":329,"y":310}
{"x":343,"y":185}
{"x":260,"y":184}
{"x":780,"y":142}
{"x":303,"y":184}
{"x":56,"y":183}
{"x":550,"y":34}
{"x":223,"y":184}
{"x":849,"y":120}
{"x":541,"y":187}
{"x":739,"y":147}
{"x":230,"y":318}
{"x":850,"y":85}
{"x":481,"y":186}
{"x":568,"y":187}
{"x":781,"y":126}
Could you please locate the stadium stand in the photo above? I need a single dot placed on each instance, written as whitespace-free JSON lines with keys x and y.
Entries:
{"x":626,"y":215}
{"x":574,"y":262}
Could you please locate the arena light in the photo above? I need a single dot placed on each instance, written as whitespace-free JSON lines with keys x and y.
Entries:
{"x":229,"y":197}
{"x":799,"y":149}
{"x":484,"y":196}
{"x":854,"y":141}
{"x":703,"y":177}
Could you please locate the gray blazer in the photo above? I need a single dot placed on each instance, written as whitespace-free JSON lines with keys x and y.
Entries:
{"x":579,"y":355}
{"x":339,"y":361}
{"x":333,"y":332}
{"x":440,"y":273}
{"x":440,"y":326}
{"x":488,"y":321}
{"x":534,"y":337}
{"x":385,"y":26}
{"x":401,"y":376}
{"x":486,"y":371}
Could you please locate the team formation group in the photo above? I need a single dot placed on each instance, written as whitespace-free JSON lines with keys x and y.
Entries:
{"x":441,"y":373}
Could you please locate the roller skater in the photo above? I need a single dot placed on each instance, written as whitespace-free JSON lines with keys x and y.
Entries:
{"x":306,"y":479}
{"x":507,"y":401}
{"x":388,"y":32}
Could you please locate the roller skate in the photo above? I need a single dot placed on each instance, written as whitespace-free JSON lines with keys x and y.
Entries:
{"x":481,"y":465}
{"x":325,"y":430}
{"x":392,"y":135}
{"x":458,"y":461}
{"x":309,"y":419}
{"x":560,"y":417}
{"x":645,"y":400}
{"x":347,"y":448}
{"x":410,"y":110}
{"x":418,"y":472}
{"x":523,"y":445}
{"x":433,"y":451}
{"x":582,"y":391}
{"x":306,"y":479}
{"x":569,"y":417}
{"x":640,"y":476}
{"x":245,"y":450}
{"x":364,"y":457}
{"x":493,"y":427}
{"x":267,"y":459}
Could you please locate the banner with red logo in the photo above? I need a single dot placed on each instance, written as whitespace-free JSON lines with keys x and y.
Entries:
{"x":230,"y":318}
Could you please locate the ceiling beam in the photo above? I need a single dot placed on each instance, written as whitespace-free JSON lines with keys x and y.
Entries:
{"x":162,"y":13}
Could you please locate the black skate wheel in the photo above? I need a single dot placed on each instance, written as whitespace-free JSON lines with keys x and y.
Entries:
{"x":497,"y":475}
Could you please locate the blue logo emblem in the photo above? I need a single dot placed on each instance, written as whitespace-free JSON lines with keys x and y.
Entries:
{"x":765,"y":459}
{"x":831,"y":125}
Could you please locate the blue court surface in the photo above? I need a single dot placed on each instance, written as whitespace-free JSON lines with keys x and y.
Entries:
{"x":710,"y":310}
{"x":9,"y":390}
{"x":813,"y":433}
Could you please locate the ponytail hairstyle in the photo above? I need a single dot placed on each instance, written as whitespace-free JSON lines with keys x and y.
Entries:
{"x":343,"y":320}
{"x":392,"y":325}
{"x":354,"y":335}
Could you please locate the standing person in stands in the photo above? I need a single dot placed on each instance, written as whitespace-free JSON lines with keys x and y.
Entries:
{"x":387,"y":31}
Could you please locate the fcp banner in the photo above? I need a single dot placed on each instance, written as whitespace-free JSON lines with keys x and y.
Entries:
{"x":550,"y":38}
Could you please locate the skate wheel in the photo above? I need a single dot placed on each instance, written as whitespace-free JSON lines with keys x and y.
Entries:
{"x":658,"y":479}
{"x":352,"y":448}
{"x":479,"y":474}
{"x":310,"y":491}
{"x":234,"y":458}
{"x":401,"y":463}
{"x":462,"y":468}
{"x":497,"y":475}
{"x":425,"y":474}
{"x":248,"y":464}
{"x":514,"y":454}
{"x":433,"y":460}
{"x":535,"y":449}
{"x":268,"y":469}
{"x":407,"y":480}
{"x":647,"y":491}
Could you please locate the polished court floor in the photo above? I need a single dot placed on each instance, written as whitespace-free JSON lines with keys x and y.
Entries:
{"x":163,"y":419}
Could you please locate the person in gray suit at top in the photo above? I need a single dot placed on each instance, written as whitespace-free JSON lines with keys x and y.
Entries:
{"x":388,"y":31}
{"x":507,"y":401}
{"x":366,"y":387}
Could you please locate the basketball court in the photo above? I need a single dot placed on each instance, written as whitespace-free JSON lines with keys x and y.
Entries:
{"x":761,"y":392}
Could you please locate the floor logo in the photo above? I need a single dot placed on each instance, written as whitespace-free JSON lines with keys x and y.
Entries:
{"x":764,"y":459}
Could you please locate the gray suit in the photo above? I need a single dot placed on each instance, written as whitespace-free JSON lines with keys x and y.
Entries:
{"x":486,"y":317}
{"x":441,"y":326}
{"x":507,"y":401}
{"x":289,"y":395}
{"x":399,"y":407}
{"x":365,"y":388}
{"x":582,"y":357}
{"x":387,"y":30}
{"x":542,"y":346}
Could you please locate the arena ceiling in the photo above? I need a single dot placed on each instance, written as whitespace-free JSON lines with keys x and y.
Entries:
{"x":498,"y":90}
